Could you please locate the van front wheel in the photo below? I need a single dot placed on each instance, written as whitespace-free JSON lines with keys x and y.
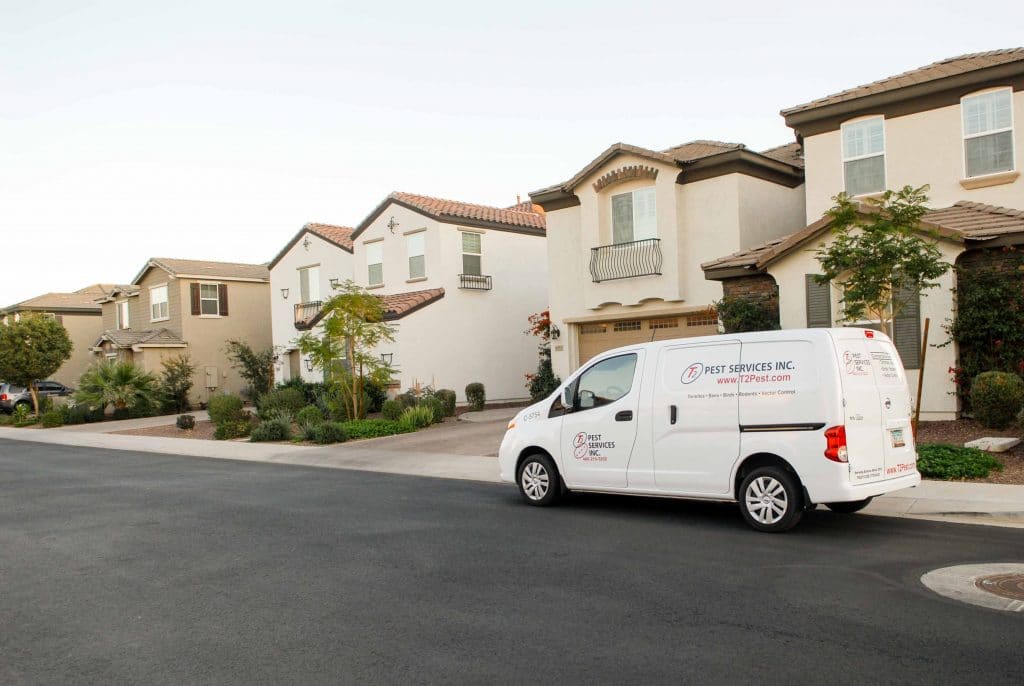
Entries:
{"x":538,"y":480}
{"x":770,"y":499}
{"x":849,"y":507}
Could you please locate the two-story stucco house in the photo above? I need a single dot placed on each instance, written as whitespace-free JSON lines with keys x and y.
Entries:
{"x":173,"y":307}
{"x":458,"y":282}
{"x":628,"y":233}
{"x":80,"y":315}
{"x":951,"y":125}
{"x":301,"y":280}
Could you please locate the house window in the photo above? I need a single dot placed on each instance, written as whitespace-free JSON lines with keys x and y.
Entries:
{"x":209,"y":299}
{"x":471,"y":248}
{"x":704,"y":319}
{"x":375,"y":263}
{"x":634,"y":216}
{"x":158,"y":303}
{"x":416,"y":246}
{"x":988,"y":132}
{"x":864,"y":156}
{"x":632,"y":325}
{"x":309,"y":284}
{"x":670,"y":323}
{"x":121,"y":309}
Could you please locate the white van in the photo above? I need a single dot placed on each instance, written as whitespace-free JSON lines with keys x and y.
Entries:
{"x":778,"y":421}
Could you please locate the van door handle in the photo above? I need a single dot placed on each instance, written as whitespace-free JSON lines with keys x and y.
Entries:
{"x":671,"y":414}
{"x":624,"y":416}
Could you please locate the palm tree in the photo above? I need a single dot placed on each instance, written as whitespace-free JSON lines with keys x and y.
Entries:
{"x":121,"y":384}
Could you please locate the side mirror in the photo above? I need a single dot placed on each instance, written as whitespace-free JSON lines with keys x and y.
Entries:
{"x":587,"y":399}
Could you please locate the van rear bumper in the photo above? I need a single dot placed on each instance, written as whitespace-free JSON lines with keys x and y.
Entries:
{"x":847,"y":492}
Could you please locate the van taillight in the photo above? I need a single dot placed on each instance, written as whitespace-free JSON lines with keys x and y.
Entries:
{"x":868,"y":333}
{"x":835,"y":448}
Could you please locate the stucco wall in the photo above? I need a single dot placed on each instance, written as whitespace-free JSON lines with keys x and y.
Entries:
{"x":139,"y":310}
{"x":83,"y":330}
{"x":921,"y":148}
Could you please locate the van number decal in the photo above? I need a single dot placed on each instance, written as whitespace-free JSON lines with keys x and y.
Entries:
{"x":590,"y":448}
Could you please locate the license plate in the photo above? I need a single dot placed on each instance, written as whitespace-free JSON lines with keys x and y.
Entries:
{"x":897,"y":438}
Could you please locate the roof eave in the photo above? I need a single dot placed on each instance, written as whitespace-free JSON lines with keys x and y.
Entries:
{"x":742,"y":161}
{"x":295,"y":239}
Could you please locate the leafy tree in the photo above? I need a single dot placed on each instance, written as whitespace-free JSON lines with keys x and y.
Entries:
{"x":876,"y":255}
{"x":121,"y":384}
{"x":256,"y":367}
{"x":176,"y":382}
{"x":32,"y":348}
{"x":741,"y":314}
{"x":353,"y":326}
{"x":544,"y":381}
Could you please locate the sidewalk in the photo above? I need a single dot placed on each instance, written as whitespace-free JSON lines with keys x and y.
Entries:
{"x":990,"y":504}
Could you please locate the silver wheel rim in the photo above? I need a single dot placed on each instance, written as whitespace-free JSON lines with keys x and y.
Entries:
{"x":535,"y":481}
{"x":766,"y":500}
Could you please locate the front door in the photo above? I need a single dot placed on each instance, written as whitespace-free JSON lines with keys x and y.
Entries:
{"x":294,"y":364}
{"x":599,"y":428}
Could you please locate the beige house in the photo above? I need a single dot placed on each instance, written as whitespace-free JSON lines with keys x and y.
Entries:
{"x":628,"y":233}
{"x":951,"y":125}
{"x":173,"y":307}
{"x":80,"y":314}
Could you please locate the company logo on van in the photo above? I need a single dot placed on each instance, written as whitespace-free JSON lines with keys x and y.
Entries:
{"x":692,"y":373}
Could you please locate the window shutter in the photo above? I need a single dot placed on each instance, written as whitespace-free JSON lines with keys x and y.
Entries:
{"x":819,"y":305}
{"x":222,"y":296}
{"x":194,"y":296}
{"x":906,"y":328}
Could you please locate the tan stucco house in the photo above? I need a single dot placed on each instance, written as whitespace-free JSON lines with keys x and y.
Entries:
{"x":178,"y":306}
{"x":79,"y":313}
{"x":951,"y":125}
{"x":627,"y":235}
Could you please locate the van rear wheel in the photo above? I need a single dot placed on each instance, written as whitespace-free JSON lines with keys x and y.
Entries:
{"x":538,"y":480}
{"x":771,"y":500}
{"x":849,"y":507}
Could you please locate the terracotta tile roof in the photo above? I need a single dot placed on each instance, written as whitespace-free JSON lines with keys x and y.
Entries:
{"x":339,"y":235}
{"x":962,"y":221}
{"x":397,"y":305}
{"x":454,"y":209}
{"x":126,"y":338}
{"x":951,"y":66}
{"x":58,"y":302}
{"x":790,"y":153}
{"x":207,"y":269}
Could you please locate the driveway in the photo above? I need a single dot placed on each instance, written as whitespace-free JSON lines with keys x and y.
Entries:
{"x":122,"y":567}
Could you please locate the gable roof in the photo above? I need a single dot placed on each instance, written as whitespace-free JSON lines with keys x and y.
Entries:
{"x":83,"y":303}
{"x":126,"y":339}
{"x":461,"y":213}
{"x":204,"y":269}
{"x":964,"y":221}
{"x":341,"y":236}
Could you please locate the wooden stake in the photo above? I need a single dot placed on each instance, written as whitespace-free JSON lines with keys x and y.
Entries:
{"x":920,"y":374}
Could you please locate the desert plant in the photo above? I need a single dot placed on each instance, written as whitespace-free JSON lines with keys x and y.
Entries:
{"x":476,"y":396}
{"x":176,"y":382}
{"x":940,"y":461}
{"x":327,"y":432}
{"x":22,"y":416}
{"x":52,"y":419}
{"x":309,"y":416}
{"x":255,"y":366}
{"x":416,"y":418}
{"x":373,"y":428}
{"x":448,"y":397}
{"x":185,"y":422}
{"x":122,"y":385}
{"x":436,"y":407}
{"x":224,"y":407}
{"x":391,"y":409}
{"x":271,"y":430}
{"x":79,"y":414}
{"x":997,"y":398}
{"x":281,"y":402}
{"x":236,"y":428}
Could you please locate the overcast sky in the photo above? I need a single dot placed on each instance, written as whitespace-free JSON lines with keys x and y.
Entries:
{"x":215,"y":129}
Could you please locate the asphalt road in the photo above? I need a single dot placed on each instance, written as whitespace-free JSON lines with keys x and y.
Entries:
{"x":117,"y":567}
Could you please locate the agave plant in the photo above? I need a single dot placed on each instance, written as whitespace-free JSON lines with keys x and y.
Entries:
{"x":121,"y":384}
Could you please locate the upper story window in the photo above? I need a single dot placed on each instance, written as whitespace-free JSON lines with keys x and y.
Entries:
{"x":309,"y":284}
{"x":634,"y":216}
{"x":158,"y":307}
{"x":375,"y":263}
{"x":209,"y":299}
{"x":121,"y":310}
{"x":988,"y":132}
{"x":416,"y":246}
{"x":472,"y":249}
{"x":864,"y":156}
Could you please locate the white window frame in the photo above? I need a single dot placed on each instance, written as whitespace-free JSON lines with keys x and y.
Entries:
{"x":611,"y":213}
{"x":965,"y":136}
{"x":216,"y":299}
{"x":463,"y":252}
{"x":375,"y":245}
{"x":122,"y":323}
{"x":843,"y":159}
{"x":166,"y":303}
{"x":421,"y":236}
{"x":312,"y":270}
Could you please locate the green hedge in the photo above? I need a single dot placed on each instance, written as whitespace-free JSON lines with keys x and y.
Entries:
{"x":373,"y":428}
{"x":948,"y":462}
{"x":272,"y":430}
{"x":996,"y":398}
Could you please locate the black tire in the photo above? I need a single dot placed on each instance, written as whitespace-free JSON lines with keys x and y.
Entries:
{"x":849,"y":507}
{"x":538,"y":480}
{"x":759,"y":488}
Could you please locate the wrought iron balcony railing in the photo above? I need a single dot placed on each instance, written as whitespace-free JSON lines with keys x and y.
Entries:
{"x":475,"y":282}
{"x":307,"y":314}
{"x":626,"y":260}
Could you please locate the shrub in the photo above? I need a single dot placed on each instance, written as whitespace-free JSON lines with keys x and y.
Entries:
{"x":142,"y":409}
{"x":327,"y":432}
{"x":5,"y":419}
{"x":416,"y":418}
{"x":373,"y":428}
{"x":45,"y":404}
{"x":476,"y":396}
{"x":308,"y":417}
{"x":407,"y":399}
{"x":436,"y":407}
{"x":281,"y":403}
{"x":309,"y":390}
{"x":374,"y":394}
{"x":391,"y":409}
{"x":120,"y":413}
{"x":176,"y":383}
{"x":997,"y":398}
{"x":121,"y":384}
{"x":447,"y":398}
{"x":739,"y":314}
{"x":236,"y":428}
{"x":80,"y":414}
{"x":185,"y":422}
{"x":255,"y":366}
{"x":52,"y":419}
{"x":224,"y":408}
{"x":271,"y":430}
{"x":544,"y":382}
{"x":23,"y":416}
{"x":940,"y":461}
{"x":331,"y":402}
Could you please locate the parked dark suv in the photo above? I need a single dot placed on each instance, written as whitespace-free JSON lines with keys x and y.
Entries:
{"x":12,"y":396}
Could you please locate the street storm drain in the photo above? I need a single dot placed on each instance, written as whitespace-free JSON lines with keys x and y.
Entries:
{"x":999,"y":586}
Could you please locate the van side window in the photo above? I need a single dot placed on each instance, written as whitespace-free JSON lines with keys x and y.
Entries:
{"x":605,"y":382}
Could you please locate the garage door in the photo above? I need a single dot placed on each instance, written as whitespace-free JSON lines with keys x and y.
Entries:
{"x":596,"y":337}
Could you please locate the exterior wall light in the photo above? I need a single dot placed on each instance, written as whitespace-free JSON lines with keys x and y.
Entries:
{"x":334,"y":282}
{"x":309,"y":364}
{"x":556,"y":333}
{"x":387,"y":357}
{"x":284,"y":293}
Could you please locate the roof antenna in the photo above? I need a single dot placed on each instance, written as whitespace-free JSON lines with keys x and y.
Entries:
{"x":518,"y":200}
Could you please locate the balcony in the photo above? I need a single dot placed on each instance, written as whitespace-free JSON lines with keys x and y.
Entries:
{"x":625,"y":260}
{"x":307,"y":314}
{"x":474,"y":282}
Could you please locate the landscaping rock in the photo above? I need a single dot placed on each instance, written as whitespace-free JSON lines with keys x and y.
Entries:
{"x":993,"y":444}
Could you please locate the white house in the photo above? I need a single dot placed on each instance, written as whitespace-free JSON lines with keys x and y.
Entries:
{"x":300,"y":281}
